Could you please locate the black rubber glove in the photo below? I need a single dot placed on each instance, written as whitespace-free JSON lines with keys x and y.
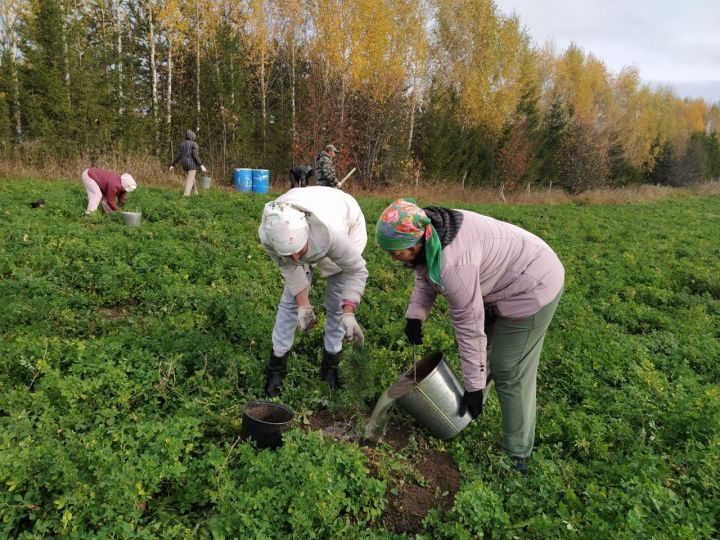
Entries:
{"x":413,"y":331}
{"x":472,"y":402}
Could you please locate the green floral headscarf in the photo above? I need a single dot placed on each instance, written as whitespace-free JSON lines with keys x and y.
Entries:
{"x":402,"y":225}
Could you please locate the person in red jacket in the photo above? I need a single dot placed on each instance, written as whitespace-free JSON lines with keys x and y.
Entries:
{"x":105,"y":187}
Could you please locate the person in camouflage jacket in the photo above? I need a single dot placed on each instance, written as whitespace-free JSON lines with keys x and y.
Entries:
{"x":324,"y":168}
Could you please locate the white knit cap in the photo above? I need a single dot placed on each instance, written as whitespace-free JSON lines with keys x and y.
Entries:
{"x":128,"y":182}
{"x":285,"y":227}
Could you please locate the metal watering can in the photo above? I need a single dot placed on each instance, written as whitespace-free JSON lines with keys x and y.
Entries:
{"x":436,"y":397}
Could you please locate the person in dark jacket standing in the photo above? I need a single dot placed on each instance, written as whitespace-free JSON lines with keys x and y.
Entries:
{"x":324,"y":168}
{"x":188,"y":156}
{"x":299,"y":175}
{"x":104,"y":187}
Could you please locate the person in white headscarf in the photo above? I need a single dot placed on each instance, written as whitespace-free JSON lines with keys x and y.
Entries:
{"x":308,"y":227}
{"x":106,"y":187}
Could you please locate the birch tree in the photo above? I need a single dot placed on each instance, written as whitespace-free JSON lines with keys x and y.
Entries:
{"x":150,"y":7}
{"x":292,"y":29}
{"x":480,"y":55}
{"x":119,"y":17}
{"x":417,"y":52}
{"x":11,"y":13}
{"x":630,"y":119}
{"x":260,"y":27}
{"x":173,"y":25}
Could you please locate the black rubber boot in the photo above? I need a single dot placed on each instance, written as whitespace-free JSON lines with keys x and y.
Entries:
{"x":329,"y":370}
{"x":276,"y":370}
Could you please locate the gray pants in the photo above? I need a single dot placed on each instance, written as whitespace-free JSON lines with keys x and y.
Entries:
{"x":514,"y":347}
{"x":283,"y":334}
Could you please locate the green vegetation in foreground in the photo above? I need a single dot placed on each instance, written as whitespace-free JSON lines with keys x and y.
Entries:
{"x":127,"y":355}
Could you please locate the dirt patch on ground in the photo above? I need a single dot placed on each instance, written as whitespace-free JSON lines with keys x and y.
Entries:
{"x":322,"y":421}
{"x":413,"y":501}
{"x":431,"y":481}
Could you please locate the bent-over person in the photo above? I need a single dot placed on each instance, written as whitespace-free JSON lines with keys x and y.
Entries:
{"x":502,"y":285}
{"x":106,"y":188}
{"x":302,"y":229}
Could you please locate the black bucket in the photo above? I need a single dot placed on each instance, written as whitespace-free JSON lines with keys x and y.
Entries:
{"x":264,"y":423}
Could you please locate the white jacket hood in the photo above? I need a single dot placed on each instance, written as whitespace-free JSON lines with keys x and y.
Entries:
{"x":337,"y":237}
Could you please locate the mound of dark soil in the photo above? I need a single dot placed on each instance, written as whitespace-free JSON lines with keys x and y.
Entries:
{"x":410,"y":499}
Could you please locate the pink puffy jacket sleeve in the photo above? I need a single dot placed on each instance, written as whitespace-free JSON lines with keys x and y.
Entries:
{"x":467,"y":311}
{"x":422,"y":299}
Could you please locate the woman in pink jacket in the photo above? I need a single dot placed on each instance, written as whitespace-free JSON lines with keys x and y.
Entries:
{"x":105,"y":187}
{"x":502,"y":285}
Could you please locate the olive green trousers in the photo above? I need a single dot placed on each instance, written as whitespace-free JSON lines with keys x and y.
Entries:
{"x":514,"y":347}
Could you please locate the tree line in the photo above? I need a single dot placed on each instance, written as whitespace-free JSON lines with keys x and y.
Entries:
{"x":444,"y":90}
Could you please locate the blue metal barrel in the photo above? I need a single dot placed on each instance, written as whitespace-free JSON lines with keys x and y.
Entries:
{"x":260,"y":180}
{"x":243,"y":179}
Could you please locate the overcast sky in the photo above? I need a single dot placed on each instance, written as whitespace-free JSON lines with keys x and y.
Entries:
{"x":675,"y":43}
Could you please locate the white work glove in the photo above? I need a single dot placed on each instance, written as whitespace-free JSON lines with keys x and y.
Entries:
{"x":306,"y":319}
{"x":352,"y":329}
{"x":202,"y":168}
{"x":172,"y":168}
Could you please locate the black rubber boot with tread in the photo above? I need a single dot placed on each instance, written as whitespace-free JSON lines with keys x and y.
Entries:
{"x":276,"y":370}
{"x":329,"y":370}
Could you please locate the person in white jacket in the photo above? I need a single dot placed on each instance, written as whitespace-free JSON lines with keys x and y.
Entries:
{"x":307,"y":227}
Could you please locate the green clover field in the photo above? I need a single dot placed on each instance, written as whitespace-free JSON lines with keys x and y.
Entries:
{"x":127,"y":354}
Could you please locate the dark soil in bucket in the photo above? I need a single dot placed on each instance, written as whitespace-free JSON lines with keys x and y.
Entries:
{"x":264,"y":423}
{"x":406,"y":509}
{"x":268,"y":413}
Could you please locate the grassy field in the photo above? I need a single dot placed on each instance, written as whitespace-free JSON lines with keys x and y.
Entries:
{"x":127,"y":355}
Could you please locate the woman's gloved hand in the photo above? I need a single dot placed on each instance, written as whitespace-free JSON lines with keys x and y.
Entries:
{"x":202,"y":168}
{"x":472,"y":402}
{"x":306,"y":319}
{"x":352,"y":329}
{"x":413,"y":331}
